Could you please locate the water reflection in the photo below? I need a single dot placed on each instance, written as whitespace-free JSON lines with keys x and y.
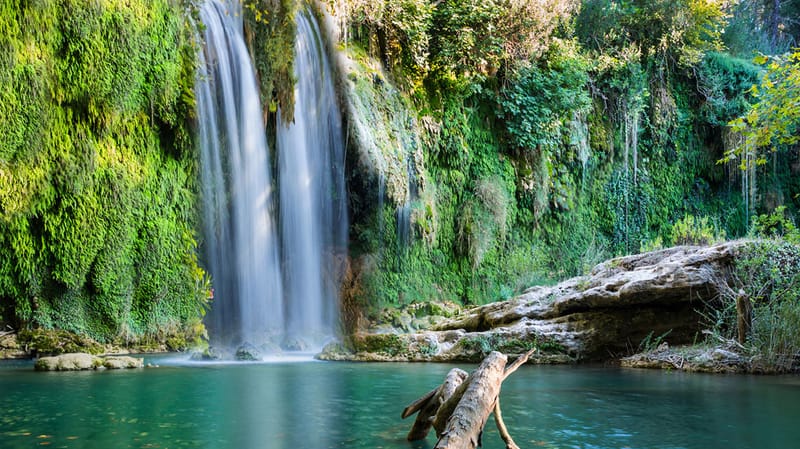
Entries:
{"x":316,"y":405}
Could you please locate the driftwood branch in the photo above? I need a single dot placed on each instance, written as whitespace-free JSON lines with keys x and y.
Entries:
{"x":501,"y":427}
{"x":417,"y":405}
{"x":465,"y":425}
{"x":517,"y":363}
{"x":459,"y":408}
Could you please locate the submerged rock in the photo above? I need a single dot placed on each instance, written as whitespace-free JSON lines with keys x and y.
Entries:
{"x":82,"y":361}
{"x":294,"y":344}
{"x":207,"y":354}
{"x":595,"y":317}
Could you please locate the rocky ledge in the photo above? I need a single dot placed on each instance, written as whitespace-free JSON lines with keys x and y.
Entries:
{"x":82,"y":361}
{"x":602,"y":316}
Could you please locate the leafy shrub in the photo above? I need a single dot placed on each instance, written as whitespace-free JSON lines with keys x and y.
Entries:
{"x":724,"y":82}
{"x":768,"y":272}
{"x":676,"y":32}
{"x":540,"y":99}
{"x":773,"y":122}
{"x":695,"y":231}
{"x":776,"y":225}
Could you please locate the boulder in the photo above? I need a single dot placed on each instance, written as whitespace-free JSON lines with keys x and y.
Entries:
{"x":122,"y":362}
{"x":248,"y":353}
{"x":82,"y":361}
{"x":596,"y":317}
{"x":68,"y":362}
{"x":10,"y":347}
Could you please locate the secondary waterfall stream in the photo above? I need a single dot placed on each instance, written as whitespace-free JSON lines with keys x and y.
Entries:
{"x":270,"y":288}
{"x":312,"y":193}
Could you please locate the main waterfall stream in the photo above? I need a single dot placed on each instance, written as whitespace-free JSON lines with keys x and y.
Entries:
{"x":270,"y":288}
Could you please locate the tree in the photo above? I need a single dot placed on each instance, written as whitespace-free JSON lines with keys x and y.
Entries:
{"x":774,"y":121}
{"x":677,"y":32}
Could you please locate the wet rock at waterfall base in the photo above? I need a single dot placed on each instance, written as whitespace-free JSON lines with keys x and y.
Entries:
{"x":247,"y":353}
{"x":206,"y":355}
{"x":295,"y":344}
{"x":122,"y":362}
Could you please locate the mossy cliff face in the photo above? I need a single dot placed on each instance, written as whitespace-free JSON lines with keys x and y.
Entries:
{"x":97,"y":172}
{"x":491,"y":149}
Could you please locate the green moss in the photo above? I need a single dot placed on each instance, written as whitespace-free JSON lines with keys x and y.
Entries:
{"x":389,"y":344}
{"x":270,"y":29}
{"x":478,"y":347}
{"x":98,"y":186}
{"x":53,"y":342}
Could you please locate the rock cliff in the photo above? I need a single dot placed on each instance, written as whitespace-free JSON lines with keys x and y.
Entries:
{"x":604,"y":315}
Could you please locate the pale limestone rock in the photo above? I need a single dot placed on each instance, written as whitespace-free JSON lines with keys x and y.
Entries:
{"x":122,"y":362}
{"x":81,"y":361}
{"x":594,"y":317}
{"x":68,"y":362}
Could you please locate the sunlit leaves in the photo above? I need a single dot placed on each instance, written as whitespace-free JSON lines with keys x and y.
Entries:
{"x":774,"y":121}
{"x":95,"y":113}
{"x":676,"y":33}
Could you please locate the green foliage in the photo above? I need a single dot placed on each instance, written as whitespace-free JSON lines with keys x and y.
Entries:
{"x":674,"y":33}
{"x":540,"y":99}
{"x":479,"y":346}
{"x":389,"y":344}
{"x":724,"y":82}
{"x":768,"y":272}
{"x":757,"y":26}
{"x":695,"y":231}
{"x":483,"y":220}
{"x":465,"y":45}
{"x":776,"y":225}
{"x":651,"y":343}
{"x":773,"y":122}
{"x":97,"y":186}
{"x":272,"y":26}
{"x":43,"y":342}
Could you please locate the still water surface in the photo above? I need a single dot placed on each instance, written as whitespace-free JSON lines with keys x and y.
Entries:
{"x":317,"y":405}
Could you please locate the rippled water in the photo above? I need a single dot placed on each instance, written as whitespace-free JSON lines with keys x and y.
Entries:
{"x":343,"y":405}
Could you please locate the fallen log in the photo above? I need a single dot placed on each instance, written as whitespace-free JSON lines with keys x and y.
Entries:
{"x":431,"y":402}
{"x":459,"y":408}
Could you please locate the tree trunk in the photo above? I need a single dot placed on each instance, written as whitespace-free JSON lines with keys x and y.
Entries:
{"x":774,"y":23}
{"x":459,"y":408}
{"x":465,"y":426}
{"x":744,"y":316}
{"x":429,"y":404}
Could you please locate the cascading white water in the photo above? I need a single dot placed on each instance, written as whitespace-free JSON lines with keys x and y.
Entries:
{"x":312,"y":193}
{"x":240,"y":238}
{"x":260,"y":298}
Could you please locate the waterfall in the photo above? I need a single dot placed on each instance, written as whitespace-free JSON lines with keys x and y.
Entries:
{"x":313,"y":208}
{"x":270,"y":288}
{"x":240,"y":241}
